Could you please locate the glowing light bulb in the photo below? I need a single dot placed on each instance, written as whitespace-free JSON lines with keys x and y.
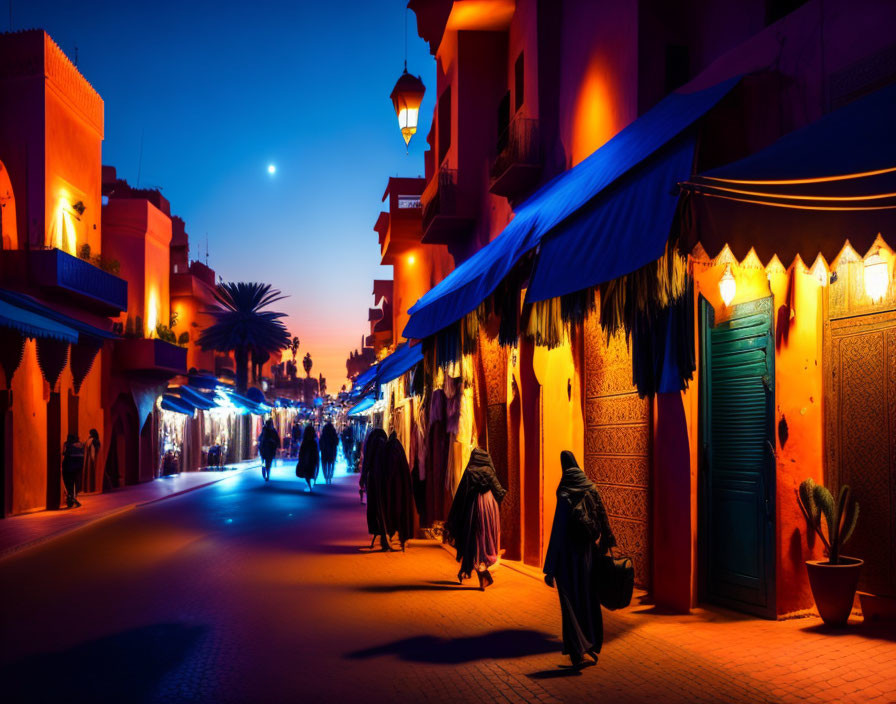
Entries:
{"x":728,"y":286}
{"x":411,"y":259}
{"x":877,"y":276}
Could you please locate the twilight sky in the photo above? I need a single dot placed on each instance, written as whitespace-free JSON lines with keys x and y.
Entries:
{"x":219,"y":90}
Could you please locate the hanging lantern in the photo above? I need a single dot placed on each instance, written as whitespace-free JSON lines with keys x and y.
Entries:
{"x":728,"y":286}
{"x":877,"y":276}
{"x":406,"y":98}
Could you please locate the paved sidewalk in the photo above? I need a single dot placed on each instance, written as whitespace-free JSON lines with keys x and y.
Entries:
{"x":251,"y":592}
{"x":30,"y":529}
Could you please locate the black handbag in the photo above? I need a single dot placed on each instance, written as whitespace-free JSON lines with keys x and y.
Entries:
{"x":615,"y":581}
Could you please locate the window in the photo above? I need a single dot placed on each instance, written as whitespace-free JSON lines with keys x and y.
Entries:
{"x":519,"y":82}
{"x":776,"y":9}
{"x":444,"y":123}
{"x":503,"y":121}
{"x":678,"y":66}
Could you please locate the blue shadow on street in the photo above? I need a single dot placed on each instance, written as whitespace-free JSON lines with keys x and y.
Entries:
{"x":125,"y":667}
{"x":497,"y":645}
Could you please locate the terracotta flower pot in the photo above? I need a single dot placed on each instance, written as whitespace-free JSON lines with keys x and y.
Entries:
{"x":834,"y":587}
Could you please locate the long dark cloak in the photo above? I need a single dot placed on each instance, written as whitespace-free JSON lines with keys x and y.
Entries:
{"x":374,"y":447}
{"x":329,"y":443}
{"x":268,"y":442}
{"x":398,"y":502}
{"x":579,"y":535}
{"x":463,"y":518}
{"x":309,"y":455}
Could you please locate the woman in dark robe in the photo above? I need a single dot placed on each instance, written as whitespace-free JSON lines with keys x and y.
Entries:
{"x":309,"y":457}
{"x":371,"y":482}
{"x":329,"y":444}
{"x":473,"y":526}
{"x":398,"y":500}
{"x":268,"y":444}
{"x":580,"y":535}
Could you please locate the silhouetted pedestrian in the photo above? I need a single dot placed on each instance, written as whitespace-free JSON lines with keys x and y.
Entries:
{"x":371,"y":482}
{"x":72,"y":467}
{"x":268,"y":443}
{"x":473,"y":526}
{"x":580,"y":535}
{"x":309,"y":457}
{"x":329,"y":445}
{"x":91,"y":458}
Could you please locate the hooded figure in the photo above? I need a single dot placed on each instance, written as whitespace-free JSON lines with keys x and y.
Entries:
{"x":268,"y":444}
{"x":329,"y":443}
{"x":348,"y":447}
{"x":72,"y":467}
{"x":580,"y":534}
{"x":309,"y":456}
{"x":398,"y":498}
{"x":474,"y":521}
{"x":371,"y":482}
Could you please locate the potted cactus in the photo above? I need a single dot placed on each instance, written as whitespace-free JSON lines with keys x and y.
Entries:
{"x":833,"y":581}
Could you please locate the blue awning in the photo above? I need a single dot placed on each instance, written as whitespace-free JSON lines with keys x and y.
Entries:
{"x":555,"y":203}
{"x":807,"y":192}
{"x":625,"y":229}
{"x":195,"y":397}
{"x":364,"y":404}
{"x":32,"y":324}
{"x":175,"y":404}
{"x":400,"y":361}
{"x":20,"y":300}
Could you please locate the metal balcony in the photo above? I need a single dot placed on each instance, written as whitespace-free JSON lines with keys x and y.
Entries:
{"x":519,"y":161}
{"x":65,"y":274}
{"x":150,"y":357}
{"x":444,"y":219}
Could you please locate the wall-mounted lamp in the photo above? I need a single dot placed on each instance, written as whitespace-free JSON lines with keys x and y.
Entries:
{"x":728,"y":286}
{"x":79,"y":208}
{"x":877,"y":276}
{"x":411,"y":259}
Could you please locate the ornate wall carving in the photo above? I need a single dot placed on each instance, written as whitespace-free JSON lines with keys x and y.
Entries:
{"x":617,"y":444}
{"x":860,"y":407}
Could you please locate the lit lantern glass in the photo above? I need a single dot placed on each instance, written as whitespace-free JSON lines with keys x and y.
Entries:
{"x":406,"y":98}
{"x":728,"y":286}
{"x":877,"y":276}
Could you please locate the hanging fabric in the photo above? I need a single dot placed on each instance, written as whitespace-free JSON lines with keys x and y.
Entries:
{"x":11,"y":352}
{"x":82,"y":357}
{"x":51,"y":358}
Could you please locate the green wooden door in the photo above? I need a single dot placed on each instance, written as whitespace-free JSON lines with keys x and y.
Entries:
{"x":738,"y":459}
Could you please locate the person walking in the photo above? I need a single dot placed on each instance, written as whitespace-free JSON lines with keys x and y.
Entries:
{"x":473,"y":526}
{"x":580,"y":535}
{"x":309,"y":457}
{"x":348,"y":447}
{"x":268,"y":444}
{"x":72,"y":466}
{"x":329,"y":445}
{"x":370,"y":482}
{"x":296,"y":435}
{"x":398,"y":500}
{"x":91,"y":458}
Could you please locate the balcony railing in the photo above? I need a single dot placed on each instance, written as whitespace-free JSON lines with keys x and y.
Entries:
{"x":55,"y":269}
{"x":519,"y":161}
{"x":150,"y":356}
{"x":443,"y":217}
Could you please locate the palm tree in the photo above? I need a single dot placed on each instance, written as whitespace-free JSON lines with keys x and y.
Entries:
{"x":242,"y":327}
{"x":294,"y":346}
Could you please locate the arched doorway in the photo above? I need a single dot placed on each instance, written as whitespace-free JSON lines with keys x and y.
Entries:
{"x":122,"y":461}
{"x":9,"y":237}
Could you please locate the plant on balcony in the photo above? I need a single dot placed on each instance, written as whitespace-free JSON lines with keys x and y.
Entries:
{"x":834,"y":580}
{"x":163,"y":332}
{"x":242,"y":325}
{"x":110,"y":266}
{"x":183,"y":339}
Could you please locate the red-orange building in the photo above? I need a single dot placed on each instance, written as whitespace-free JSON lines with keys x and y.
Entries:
{"x":528,"y":90}
{"x":53,"y":269}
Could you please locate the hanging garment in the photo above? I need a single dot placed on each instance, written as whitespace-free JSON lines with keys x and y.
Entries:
{"x":309,"y":455}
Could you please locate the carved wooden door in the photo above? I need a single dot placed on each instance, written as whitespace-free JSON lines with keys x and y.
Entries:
{"x":737,"y":473}
{"x":860,"y":418}
{"x":618,"y":444}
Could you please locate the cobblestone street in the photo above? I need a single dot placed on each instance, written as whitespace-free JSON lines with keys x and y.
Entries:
{"x":246,"y":592}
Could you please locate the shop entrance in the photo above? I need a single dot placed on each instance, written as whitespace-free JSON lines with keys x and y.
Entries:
{"x":860,"y":420}
{"x":737,"y":468}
